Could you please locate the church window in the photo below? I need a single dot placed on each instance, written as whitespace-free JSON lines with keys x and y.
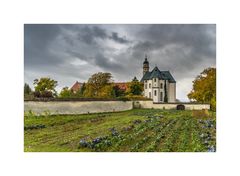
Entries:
{"x":161,"y":96}
{"x":161,"y":85}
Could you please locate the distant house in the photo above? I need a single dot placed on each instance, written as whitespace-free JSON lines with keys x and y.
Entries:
{"x":160,"y":86}
{"x":76,"y":87}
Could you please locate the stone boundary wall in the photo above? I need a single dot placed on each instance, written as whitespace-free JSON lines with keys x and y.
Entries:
{"x":188,"y":106}
{"x":84,"y":107}
{"x":76,"y":107}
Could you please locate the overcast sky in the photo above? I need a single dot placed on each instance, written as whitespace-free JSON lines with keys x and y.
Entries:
{"x":70,"y":53}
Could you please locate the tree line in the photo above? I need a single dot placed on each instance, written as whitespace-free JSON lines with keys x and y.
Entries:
{"x":99,"y":85}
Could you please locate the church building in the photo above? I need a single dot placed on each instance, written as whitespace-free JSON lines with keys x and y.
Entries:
{"x":160,"y":86}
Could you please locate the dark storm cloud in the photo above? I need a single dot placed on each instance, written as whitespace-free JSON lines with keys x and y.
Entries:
{"x":116,"y":38}
{"x":89,"y":34}
{"x":106,"y":63}
{"x":178,"y":47}
{"x":200,"y":38}
{"x":74,"y":52}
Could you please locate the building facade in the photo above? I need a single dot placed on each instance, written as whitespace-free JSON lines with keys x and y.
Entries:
{"x":160,"y":86}
{"x":76,"y":87}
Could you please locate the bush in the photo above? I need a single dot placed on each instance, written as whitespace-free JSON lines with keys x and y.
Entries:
{"x":36,"y":94}
{"x":47,"y":94}
{"x":136,"y":97}
{"x":44,"y":94}
{"x":123,"y":99}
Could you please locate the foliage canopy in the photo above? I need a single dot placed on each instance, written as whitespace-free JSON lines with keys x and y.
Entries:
{"x":135,"y":87}
{"x":45,"y":87}
{"x":204,"y":88}
{"x":99,"y":85}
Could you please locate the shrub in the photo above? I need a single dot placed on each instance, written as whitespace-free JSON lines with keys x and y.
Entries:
{"x":200,"y":113}
{"x":47,"y":94}
{"x":32,"y":127}
{"x":123,"y":98}
{"x":136,"y":97}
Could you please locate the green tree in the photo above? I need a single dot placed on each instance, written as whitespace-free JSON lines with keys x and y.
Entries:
{"x":117,"y":91}
{"x":45,"y":87}
{"x":83,"y":88}
{"x":96,"y":84}
{"x":27,"y":89}
{"x":204,"y":88}
{"x":135,"y":87}
{"x":65,"y":93}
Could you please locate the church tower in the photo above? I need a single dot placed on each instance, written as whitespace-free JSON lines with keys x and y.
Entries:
{"x":145,"y":66}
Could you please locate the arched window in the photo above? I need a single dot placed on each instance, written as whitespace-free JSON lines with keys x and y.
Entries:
{"x":155,"y":93}
{"x":180,"y":107}
{"x":161,"y":85}
{"x":149,"y":85}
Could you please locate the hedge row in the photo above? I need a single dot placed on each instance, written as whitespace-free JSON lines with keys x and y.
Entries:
{"x":85,"y":99}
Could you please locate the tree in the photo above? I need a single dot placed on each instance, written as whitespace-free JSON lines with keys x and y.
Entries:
{"x":96,"y":85}
{"x":107,"y":92}
{"x":45,"y":87}
{"x":135,"y":87}
{"x":65,"y":93}
{"x":117,"y":91}
{"x":83,"y":88}
{"x":27,"y":89}
{"x":204,"y":88}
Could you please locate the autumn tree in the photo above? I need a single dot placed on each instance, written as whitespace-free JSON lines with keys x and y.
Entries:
{"x":107,"y":91}
{"x":204,"y":88}
{"x":135,"y":87}
{"x":45,"y":87}
{"x":99,"y":85}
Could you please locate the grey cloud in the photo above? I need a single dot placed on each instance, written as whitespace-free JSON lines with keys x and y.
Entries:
{"x":182,"y":46}
{"x":106,"y":63}
{"x":89,"y":34}
{"x":118,"y":39}
{"x":37,"y":40}
{"x":195,"y":36}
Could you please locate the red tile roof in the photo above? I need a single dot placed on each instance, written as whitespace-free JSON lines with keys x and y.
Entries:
{"x":121,"y":85}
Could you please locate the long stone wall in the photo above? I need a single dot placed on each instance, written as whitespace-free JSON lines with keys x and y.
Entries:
{"x":76,"y":107}
{"x":188,"y":106}
{"x":84,"y":107}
